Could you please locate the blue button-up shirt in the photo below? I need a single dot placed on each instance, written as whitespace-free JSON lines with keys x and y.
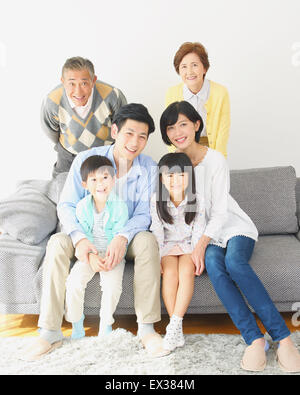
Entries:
{"x":139,"y":187}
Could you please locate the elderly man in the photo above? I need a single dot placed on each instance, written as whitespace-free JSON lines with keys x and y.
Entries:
{"x":77,"y":114}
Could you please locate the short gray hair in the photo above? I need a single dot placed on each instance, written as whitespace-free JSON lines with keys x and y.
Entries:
{"x":79,"y":63}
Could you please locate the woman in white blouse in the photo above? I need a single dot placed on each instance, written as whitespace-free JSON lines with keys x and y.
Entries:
{"x":227,"y":244}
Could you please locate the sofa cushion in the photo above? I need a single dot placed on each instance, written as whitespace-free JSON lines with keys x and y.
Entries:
{"x":28,"y":215}
{"x":298,"y":198}
{"x":18,"y":267}
{"x":276,"y":261}
{"x":267,"y":195}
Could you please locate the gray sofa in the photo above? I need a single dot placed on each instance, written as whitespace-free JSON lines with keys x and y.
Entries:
{"x":270,"y":196}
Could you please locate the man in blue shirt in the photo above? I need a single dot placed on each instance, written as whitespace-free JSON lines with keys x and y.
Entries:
{"x":135,"y":181}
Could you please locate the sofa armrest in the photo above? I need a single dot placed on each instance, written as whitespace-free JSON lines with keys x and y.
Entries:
{"x":298,"y":198}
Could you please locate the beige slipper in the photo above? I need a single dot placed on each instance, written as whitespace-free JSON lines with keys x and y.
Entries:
{"x":254,"y":358}
{"x":288,"y":358}
{"x":153,"y":344}
{"x":38,"y":349}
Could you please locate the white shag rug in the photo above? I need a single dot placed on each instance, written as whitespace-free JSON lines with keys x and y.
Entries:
{"x":121,"y":353}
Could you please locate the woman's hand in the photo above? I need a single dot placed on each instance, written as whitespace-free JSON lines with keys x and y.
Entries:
{"x":198,"y":255}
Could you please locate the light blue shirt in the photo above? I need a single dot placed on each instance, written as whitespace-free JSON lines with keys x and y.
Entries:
{"x":139,"y":187}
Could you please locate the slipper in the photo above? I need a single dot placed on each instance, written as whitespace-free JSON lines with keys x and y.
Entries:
{"x":153,"y":344}
{"x":254,"y":358}
{"x":38,"y":349}
{"x":288,"y":358}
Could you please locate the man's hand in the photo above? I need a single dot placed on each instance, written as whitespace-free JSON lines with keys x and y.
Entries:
{"x":82,"y":249}
{"x":97,"y":263}
{"x":115,"y":251}
{"x":198,"y":255}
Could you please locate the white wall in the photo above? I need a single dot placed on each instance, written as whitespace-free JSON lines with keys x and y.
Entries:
{"x":253,"y":46}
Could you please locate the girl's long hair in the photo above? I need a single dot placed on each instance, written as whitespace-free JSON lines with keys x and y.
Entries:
{"x":177,"y":162}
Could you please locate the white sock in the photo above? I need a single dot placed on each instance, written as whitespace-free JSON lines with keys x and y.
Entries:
{"x":176,"y":320}
{"x":174,"y":334}
{"x":176,"y":323}
{"x":144,"y":329}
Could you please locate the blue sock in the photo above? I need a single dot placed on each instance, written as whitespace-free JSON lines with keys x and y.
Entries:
{"x":266,"y":345}
{"x":104,"y":329}
{"x":144,"y":329}
{"x":78,"y":329}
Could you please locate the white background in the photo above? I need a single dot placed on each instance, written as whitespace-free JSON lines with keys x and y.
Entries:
{"x":253,"y":47}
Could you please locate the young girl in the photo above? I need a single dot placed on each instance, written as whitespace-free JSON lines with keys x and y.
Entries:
{"x":178,"y":223}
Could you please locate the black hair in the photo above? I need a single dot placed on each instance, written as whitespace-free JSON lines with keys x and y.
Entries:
{"x":93,"y":163}
{"x":170,"y":116}
{"x":135,"y":111}
{"x":176,"y":162}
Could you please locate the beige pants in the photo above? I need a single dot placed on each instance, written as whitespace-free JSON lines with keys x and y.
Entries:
{"x":143,"y":249}
{"x":111,"y":286}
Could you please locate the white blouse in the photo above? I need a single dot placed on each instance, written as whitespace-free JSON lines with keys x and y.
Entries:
{"x":198,"y":101}
{"x":224,"y":217}
{"x":179,"y":233}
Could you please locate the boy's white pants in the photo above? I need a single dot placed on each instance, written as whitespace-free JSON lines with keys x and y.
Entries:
{"x":111,"y":285}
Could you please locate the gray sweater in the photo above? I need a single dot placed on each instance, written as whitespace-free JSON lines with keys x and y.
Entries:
{"x":61,"y":123}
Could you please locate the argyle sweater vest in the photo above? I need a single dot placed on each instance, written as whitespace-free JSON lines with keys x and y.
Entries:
{"x":61,"y":123}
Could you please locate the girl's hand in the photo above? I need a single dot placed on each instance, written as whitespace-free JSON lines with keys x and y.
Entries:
{"x":198,"y":255}
{"x":199,"y":264}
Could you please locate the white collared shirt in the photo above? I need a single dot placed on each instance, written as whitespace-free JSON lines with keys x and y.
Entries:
{"x":198,"y":101}
{"x":82,"y":111}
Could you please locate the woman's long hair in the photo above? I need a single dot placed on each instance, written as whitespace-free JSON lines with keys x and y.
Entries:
{"x":176,"y":162}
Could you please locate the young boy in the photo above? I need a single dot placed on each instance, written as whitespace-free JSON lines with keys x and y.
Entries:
{"x":102,"y":214}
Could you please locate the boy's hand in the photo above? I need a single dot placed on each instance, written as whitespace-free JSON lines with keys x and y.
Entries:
{"x":97,"y":263}
{"x":115,"y":251}
{"x":82,"y":250}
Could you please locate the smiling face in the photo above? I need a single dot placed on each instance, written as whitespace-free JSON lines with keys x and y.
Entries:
{"x":78,"y":85}
{"x":99,"y":183}
{"x":192,"y":72}
{"x":130,"y":140}
{"x":182,"y":133}
{"x":176,"y":184}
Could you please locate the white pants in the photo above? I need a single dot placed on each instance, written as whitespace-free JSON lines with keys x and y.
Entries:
{"x":111,"y":286}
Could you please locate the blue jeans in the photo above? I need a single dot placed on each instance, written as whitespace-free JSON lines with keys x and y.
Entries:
{"x":231,"y":275}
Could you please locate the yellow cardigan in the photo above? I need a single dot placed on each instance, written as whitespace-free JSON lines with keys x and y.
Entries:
{"x":218,"y":114}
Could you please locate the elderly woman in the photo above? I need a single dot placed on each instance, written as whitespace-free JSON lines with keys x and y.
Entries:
{"x":210,"y":99}
{"x":227,"y":243}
